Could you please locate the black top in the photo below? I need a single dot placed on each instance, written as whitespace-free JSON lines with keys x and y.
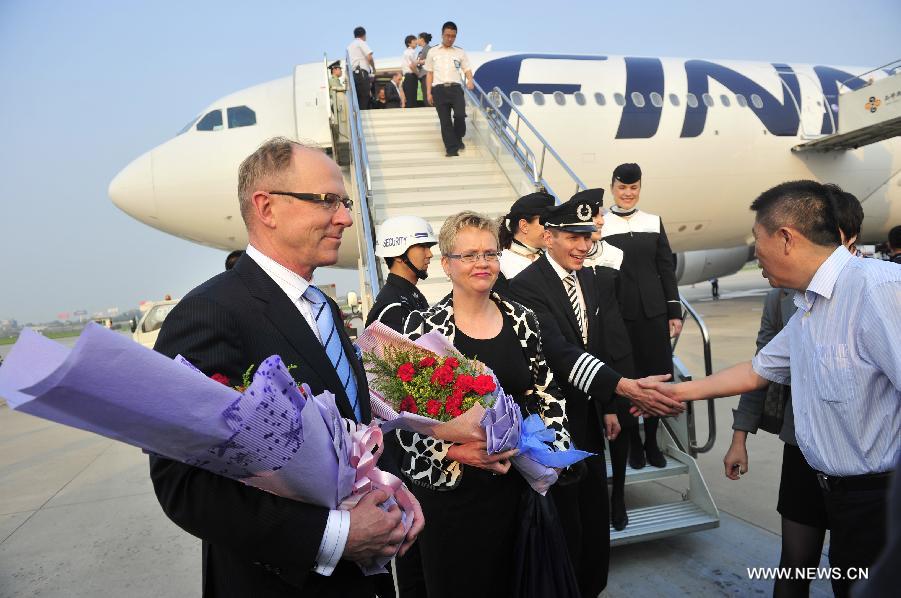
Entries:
{"x":395,"y":301}
{"x":499,"y":354}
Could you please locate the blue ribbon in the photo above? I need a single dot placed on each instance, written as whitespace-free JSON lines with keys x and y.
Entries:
{"x":535,"y":443}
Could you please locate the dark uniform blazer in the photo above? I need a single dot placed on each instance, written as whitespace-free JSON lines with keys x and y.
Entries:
{"x":392,"y":95}
{"x":397,"y":299}
{"x":578,"y":368}
{"x":648,"y":286}
{"x":254,"y":543}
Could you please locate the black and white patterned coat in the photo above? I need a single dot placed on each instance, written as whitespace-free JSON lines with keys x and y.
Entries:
{"x":425,"y":458}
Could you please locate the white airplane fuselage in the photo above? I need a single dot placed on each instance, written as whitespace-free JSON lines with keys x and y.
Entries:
{"x":709,"y":136}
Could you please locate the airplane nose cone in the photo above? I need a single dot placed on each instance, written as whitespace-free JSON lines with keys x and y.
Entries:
{"x":132,"y":190}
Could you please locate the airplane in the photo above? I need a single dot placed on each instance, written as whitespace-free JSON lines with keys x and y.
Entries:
{"x":710,"y":135}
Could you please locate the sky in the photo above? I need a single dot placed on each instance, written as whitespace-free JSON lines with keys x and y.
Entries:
{"x":88,"y":86}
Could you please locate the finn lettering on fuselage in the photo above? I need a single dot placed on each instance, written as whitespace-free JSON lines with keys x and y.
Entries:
{"x":780,"y":116}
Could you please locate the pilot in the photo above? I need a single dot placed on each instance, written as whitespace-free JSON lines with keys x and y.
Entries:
{"x":406,"y":244}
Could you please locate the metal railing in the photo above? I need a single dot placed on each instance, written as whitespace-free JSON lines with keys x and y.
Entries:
{"x":694,"y":448}
{"x":895,"y":68}
{"x":363,"y":183}
{"x":508,"y":131}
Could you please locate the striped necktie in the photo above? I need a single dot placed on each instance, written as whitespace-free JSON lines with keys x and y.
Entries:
{"x":328,"y":335}
{"x":569,"y":282}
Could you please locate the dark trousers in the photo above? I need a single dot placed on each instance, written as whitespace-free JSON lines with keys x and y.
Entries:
{"x":409,"y":85}
{"x":364,"y":88}
{"x":857,"y":524}
{"x":449,"y":98}
{"x":585,"y":518}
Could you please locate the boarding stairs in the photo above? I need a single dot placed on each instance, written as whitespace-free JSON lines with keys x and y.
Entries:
{"x":398,"y":166}
{"x":867,"y":115}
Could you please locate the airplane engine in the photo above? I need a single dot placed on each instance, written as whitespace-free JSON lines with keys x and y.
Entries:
{"x":698,"y":266}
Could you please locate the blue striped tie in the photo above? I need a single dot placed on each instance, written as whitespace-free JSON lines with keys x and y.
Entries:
{"x":328,"y":334}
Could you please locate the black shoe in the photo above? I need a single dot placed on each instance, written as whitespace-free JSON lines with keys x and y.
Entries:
{"x":618,"y":516}
{"x":655,"y":457}
{"x":636,"y":454}
{"x":451,"y":153}
{"x":462,"y":146}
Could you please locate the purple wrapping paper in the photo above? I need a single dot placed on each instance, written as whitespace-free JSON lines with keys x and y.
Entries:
{"x":272,"y":437}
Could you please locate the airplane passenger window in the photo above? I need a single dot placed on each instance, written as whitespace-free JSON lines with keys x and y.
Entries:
{"x":600,"y":99}
{"x":212,"y":121}
{"x":559,"y":98}
{"x":538,"y":97}
{"x":638,"y":99}
{"x":673,"y":99}
{"x":708,"y":100}
{"x":241,"y":116}
{"x":725,"y":100}
{"x":756,"y":101}
{"x":656,"y":99}
{"x":579,"y":97}
{"x":741,"y":101}
{"x":516,"y":98}
{"x":692,"y":100}
{"x":619,"y":99}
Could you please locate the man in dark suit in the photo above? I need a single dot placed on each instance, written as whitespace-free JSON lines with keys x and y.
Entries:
{"x":295,"y":208}
{"x":564,"y":296}
{"x":394,"y":93}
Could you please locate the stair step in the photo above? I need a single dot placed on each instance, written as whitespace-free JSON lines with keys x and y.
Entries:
{"x":648,"y":472}
{"x":436,"y":168}
{"x":401,"y":115}
{"x":661,"y":521}
{"x":419,"y":183}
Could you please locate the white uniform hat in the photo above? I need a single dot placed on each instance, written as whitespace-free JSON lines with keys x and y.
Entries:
{"x":395,"y":235}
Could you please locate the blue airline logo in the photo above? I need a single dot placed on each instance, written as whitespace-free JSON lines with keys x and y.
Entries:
{"x":778,"y":114}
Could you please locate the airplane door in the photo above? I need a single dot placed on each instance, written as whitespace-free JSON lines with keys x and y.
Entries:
{"x":311,"y":104}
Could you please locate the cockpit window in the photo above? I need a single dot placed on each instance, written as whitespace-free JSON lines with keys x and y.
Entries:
{"x":212,"y":121}
{"x":188,"y":126}
{"x":241,"y":116}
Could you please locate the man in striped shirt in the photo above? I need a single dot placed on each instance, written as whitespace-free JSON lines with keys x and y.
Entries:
{"x":841,"y":355}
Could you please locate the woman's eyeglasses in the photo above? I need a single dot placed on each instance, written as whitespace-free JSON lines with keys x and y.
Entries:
{"x":330,"y":201}
{"x":471,"y":258}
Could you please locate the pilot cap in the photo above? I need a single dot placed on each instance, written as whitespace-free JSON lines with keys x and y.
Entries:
{"x":574,"y":216}
{"x":594,"y":196}
{"x":627,"y":173}
{"x":336,"y":64}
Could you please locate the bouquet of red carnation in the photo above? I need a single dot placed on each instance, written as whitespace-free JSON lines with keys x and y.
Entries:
{"x":426,"y":386}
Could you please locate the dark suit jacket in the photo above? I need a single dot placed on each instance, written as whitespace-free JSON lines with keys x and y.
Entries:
{"x":254,"y":543}
{"x":540,"y":289}
{"x":392,"y":95}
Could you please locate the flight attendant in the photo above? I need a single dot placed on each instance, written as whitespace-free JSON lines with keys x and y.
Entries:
{"x":648,"y":295}
{"x":522,"y":235}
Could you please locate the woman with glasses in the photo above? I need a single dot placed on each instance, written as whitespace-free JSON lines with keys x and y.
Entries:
{"x":470,"y":498}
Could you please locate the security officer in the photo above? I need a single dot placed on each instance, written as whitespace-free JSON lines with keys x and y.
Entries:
{"x":405,"y":242}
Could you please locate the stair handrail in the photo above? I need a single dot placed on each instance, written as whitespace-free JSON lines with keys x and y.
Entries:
{"x":363,"y":181}
{"x":688,"y":310}
{"x":843,"y":88}
{"x":505,"y":130}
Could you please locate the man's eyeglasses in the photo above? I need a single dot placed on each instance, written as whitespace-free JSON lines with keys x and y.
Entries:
{"x":330,"y":201}
{"x":471,"y":258}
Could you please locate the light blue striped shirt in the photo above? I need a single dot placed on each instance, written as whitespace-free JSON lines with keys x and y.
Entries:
{"x":841,"y":353}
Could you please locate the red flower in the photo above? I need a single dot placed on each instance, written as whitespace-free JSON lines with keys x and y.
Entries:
{"x":453,"y":404}
{"x":484,"y":384}
{"x":433,"y":407}
{"x":464,"y":383}
{"x":406,"y":371}
{"x":220,"y":378}
{"x":409,"y":404}
{"x":427,"y":362}
{"x":442,"y":375}
{"x":452,"y":363}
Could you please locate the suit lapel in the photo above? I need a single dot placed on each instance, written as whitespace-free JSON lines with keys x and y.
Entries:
{"x":562,"y":301}
{"x":294,"y":329}
{"x":592,"y":316}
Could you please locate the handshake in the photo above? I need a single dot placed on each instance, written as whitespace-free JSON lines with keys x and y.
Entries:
{"x":651,"y":396}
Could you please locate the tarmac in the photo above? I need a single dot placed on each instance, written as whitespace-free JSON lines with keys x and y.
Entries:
{"x":78,"y":516}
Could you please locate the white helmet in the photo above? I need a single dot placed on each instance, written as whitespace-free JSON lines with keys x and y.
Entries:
{"x":396,"y":235}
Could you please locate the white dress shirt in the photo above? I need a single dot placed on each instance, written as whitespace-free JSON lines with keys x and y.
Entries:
{"x":563,"y":273}
{"x":359,"y":52}
{"x":442,"y":62}
{"x":337,"y":526}
{"x":408,"y":63}
{"x":842,"y":356}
